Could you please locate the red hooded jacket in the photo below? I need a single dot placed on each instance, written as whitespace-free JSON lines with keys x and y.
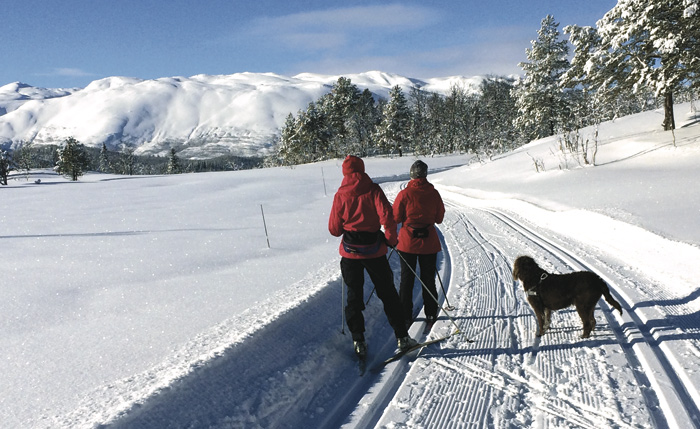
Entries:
{"x":419,"y":205}
{"x":360,"y":205}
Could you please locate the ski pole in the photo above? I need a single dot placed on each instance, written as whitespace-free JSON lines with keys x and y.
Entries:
{"x":449,"y":307}
{"x":430,"y":293}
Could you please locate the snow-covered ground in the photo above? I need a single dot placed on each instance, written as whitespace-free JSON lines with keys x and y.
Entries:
{"x":156,"y":301}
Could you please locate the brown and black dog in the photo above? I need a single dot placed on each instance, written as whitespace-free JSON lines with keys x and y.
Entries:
{"x":547,"y":292}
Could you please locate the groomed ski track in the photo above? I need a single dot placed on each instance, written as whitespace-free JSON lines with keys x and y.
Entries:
{"x":636,"y":371}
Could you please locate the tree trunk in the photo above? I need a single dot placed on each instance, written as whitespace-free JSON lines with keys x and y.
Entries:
{"x":669,"y":121}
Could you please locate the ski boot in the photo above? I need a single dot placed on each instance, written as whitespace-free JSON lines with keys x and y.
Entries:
{"x":360,"y":349}
{"x":406,"y":343}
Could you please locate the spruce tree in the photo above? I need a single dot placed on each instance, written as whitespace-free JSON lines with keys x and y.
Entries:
{"x":363,"y":123}
{"x":174,"y":166}
{"x":73,"y":160}
{"x":340,"y":108}
{"x":128,"y":160}
{"x":419,"y":127}
{"x":497,"y":110}
{"x":289,"y":150}
{"x":644,"y":45}
{"x":540,"y":101}
{"x":393,"y":132}
{"x":104,"y":159}
{"x":7,"y":164}
{"x":435,"y":107}
{"x":314,"y":134}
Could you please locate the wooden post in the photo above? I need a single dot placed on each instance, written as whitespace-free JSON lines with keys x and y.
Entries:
{"x":265,"y":225}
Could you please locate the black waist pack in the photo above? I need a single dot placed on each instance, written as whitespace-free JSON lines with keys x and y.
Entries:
{"x":362,"y":242}
{"x":419,"y":232}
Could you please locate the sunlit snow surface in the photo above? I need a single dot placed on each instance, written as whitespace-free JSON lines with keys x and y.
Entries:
{"x":154,"y":301}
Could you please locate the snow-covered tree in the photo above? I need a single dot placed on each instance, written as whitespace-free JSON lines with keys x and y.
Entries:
{"x":73,"y":160}
{"x":174,"y":166}
{"x":457,"y":120}
{"x":7,"y":164}
{"x":419,"y":124}
{"x":128,"y":160}
{"x":314,"y":134}
{"x":540,"y":101}
{"x":435,"y":112}
{"x":641,"y":45}
{"x":340,"y":110}
{"x":289,"y":148}
{"x":104,"y":159}
{"x":496,"y":112}
{"x":393,"y":132}
{"x":362,"y":124}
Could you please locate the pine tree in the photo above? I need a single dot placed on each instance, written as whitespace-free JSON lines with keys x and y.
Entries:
{"x":645,"y":45}
{"x":7,"y":164}
{"x":393,"y":132}
{"x":419,"y":127}
{"x":541,"y":102}
{"x":456,"y":124}
{"x":73,"y":160}
{"x":364,"y":121}
{"x":435,"y":115}
{"x":340,"y":108}
{"x":174,"y":166}
{"x":104,"y":159}
{"x":314,"y":134}
{"x":497,"y":111}
{"x":289,"y":148}
{"x":128,"y":160}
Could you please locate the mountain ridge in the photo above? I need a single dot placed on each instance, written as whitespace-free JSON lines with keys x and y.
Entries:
{"x":201,"y":116}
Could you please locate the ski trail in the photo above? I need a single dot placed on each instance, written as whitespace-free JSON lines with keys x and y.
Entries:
{"x":510,"y":377}
{"x":627,"y":375}
{"x":661,"y":363}
{"x":310,"y":377}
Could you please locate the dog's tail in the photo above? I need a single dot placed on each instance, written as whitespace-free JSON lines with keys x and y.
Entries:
{"x":611,"y":300}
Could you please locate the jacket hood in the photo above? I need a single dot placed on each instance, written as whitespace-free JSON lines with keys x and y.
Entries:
{"x":355,"y":180}
{"x":353,"y":164}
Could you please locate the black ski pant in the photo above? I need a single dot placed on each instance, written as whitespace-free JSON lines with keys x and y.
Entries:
{"x":427,"y":275}
{"x":382,"y":276}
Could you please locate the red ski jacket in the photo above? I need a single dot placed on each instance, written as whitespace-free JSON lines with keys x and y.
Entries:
{"x":360,"y":206}
{"x":419,"y":207}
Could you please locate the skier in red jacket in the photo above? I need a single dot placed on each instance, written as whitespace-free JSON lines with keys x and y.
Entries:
{"x":418,"y":207}
{"x":359,"y":210}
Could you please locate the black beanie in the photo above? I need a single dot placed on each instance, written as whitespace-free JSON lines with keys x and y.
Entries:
{"x":418,"y":169}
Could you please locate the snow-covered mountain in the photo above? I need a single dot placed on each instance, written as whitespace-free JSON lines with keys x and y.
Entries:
{"x":202,"y":116}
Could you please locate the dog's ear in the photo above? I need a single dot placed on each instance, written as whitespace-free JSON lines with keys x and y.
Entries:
{"x":517,"y":267}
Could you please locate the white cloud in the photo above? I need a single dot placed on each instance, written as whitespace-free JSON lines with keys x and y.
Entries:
{"x":335,"y":28}
{"x":66,"y":71}
{"x":394,"y":17}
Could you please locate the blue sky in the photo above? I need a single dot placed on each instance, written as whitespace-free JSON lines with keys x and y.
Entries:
{"x":70,"y":43}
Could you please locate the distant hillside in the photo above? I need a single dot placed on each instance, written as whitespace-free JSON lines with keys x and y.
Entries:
{"x":201,"y":116}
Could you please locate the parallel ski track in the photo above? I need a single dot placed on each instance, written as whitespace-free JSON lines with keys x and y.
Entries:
{"x":507,"y":378}
{"x":680,"y":401}
{"x":501,"y":371}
